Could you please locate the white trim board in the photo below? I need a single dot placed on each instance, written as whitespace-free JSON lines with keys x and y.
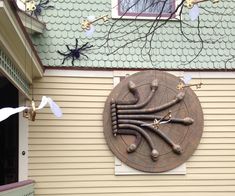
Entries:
{"x":23,"y":143}
{"x":119,"y":73}
{"x":78,"y":73}
{"x":196,"y":74}
{"x":222,"y":74}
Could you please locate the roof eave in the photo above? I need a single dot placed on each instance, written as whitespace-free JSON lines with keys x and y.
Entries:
{"x":31,"y":24}
{"x":17,"y":43}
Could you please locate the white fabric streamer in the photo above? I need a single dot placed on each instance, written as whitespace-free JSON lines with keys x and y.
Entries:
{"x":8,"y":111}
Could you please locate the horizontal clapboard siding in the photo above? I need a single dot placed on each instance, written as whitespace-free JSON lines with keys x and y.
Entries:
{"x":69,"y":156}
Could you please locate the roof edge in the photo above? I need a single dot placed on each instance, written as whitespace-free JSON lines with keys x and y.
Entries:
{"x":38,"y":64}
{"x":134,"y":69}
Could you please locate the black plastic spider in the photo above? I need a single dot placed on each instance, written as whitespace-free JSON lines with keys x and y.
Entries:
{"x":76,"y":52}
{"x":40,"y":6}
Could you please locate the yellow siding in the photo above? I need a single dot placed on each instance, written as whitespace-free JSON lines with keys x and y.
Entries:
{"x":69,"y":156}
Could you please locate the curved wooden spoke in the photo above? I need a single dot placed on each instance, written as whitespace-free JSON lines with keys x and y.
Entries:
{"x":133,"y":89}
{"x":177,"y":99}
{"x":154,"y":153}
{"x":138,"y":138}
{"x":176,"y":148}
{"x":154,"y":87}
{"x":184,"y":121}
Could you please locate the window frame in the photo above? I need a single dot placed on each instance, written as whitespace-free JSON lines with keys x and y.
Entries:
{"x":116,"y":13}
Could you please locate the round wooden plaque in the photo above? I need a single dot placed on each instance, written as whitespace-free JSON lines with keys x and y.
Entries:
{"x":149,"y":124}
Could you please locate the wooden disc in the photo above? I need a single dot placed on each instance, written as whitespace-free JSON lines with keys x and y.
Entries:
{"x":186,"y":136}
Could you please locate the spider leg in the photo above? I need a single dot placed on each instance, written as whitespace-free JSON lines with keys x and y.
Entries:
{"x":67,"y":46}
{"x":89,"y":47}
{"x":84,"y":45}
{"x":76,"y":46}
{"x":47,"y":7}
{"x":73,"y":61}
{"x":37,"y":11}
{"x":64,"y":54}
{"x":84,"y":55}
{"x":44,"y":3}
{"x":65,"y":58}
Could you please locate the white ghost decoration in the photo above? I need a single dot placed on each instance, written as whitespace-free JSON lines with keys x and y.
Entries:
{"x":194,"y":12}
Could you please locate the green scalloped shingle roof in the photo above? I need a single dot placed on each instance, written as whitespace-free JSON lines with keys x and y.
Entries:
{"x":170,"y":49}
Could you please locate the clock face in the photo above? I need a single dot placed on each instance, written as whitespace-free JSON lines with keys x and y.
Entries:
{"x":149,"y":124}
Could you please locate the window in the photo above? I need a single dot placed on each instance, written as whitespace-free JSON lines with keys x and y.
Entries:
{"x":144,"y":9}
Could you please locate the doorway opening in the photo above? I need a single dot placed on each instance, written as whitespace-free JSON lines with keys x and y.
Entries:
{"x":9,"y":134}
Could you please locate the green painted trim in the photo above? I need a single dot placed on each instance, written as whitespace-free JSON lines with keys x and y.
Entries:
{"x":8,"y":67}
{"x":27,"y":190}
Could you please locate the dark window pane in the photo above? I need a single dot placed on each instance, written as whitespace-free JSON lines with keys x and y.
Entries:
{"x":146,"y":7}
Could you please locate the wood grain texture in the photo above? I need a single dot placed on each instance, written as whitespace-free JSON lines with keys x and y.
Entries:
{"x":185,"y":136}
